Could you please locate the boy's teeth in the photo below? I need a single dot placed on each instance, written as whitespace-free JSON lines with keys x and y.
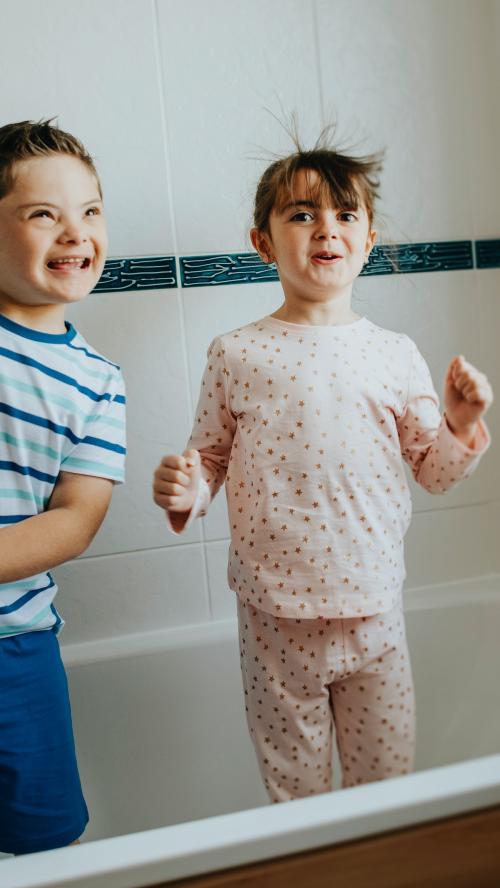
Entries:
{"x":72,"y":261}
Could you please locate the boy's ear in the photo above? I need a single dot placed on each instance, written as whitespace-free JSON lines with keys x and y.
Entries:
{"x":262,"y":243}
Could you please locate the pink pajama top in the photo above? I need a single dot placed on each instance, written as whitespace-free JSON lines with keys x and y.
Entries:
{"x":309,"y":426}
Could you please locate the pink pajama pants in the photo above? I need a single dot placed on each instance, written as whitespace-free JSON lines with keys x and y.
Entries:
{"x":301,"y":677}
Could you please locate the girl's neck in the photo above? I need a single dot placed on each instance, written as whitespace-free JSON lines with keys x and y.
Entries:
{"x":316,"y":314}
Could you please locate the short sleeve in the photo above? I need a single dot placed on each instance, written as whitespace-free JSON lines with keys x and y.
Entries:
{"x":102,"y":448}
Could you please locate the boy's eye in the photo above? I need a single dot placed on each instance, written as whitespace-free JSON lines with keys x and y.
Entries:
{"x":93,"y":211}
{"x":302,"y":217}
{"x":41,"y":214}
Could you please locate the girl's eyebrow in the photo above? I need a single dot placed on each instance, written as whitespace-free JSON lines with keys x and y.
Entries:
{"x":300,"y":203}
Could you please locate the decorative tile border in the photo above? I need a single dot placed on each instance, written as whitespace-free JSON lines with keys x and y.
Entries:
{"x":487,"y":253}
{"x":246,"y":268}
{"x":149,"y":273}
{"x":413,"y":258}
{"x":217,"y":269}
{"x":225,"y":268}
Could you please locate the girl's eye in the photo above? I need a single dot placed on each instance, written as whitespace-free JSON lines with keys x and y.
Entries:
{"x":93,"y":211}
{"x":302,"y":217}
{"x":346,"y":216}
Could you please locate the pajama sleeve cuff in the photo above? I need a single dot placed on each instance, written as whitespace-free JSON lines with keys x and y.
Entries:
{"x":199,"y":509}
{"x":480,"y":444}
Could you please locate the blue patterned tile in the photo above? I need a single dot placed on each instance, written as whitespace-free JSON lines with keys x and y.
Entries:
{"x":246,"y":268}
{"x":225,"y":268}
{"x":216,"y":269}
{"x":487,"y":253}
{"x":412,"y":258}
{"x":148,"y":273}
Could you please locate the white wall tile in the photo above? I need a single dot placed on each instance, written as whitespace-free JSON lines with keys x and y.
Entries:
{"x":94,"y":66}
{"x":143,"y":333}
{"x":442,"y":313}
{"x":402,"y":75}
{"x":210,"y":311}
{"x":494,"y":534}
{"x":224,"y":64}
{"x":448,"y":544}
{"x":135,"y":592}
{"x":484,"y":123}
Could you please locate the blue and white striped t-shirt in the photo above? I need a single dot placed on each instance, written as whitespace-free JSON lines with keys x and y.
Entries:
{"x":62,"y":408}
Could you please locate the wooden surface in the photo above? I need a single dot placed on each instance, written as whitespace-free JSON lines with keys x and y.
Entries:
{"x":457,"y":852}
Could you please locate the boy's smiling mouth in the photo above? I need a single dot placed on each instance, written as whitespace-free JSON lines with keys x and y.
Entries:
{"x":68,"y":264}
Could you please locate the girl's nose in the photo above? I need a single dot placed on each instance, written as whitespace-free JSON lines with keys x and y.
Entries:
{"x":328,"y":227}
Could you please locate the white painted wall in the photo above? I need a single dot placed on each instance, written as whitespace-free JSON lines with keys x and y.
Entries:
{"x":171,"y":98}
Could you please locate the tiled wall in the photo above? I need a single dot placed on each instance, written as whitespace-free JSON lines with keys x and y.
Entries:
{"x":173,"y":100}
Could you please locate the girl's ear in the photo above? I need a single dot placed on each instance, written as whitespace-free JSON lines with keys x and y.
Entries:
{"x":262,"y":243}
{"x":370,"y":242}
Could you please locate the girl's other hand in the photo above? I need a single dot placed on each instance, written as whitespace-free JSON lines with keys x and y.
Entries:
{"x":468,"y":395}
{"x":176,"y":481}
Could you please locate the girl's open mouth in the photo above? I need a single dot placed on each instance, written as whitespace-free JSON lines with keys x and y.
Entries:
{"x":326,"y":258}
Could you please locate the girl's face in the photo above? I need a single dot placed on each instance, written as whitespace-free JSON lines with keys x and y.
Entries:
{"x":319,"y":249}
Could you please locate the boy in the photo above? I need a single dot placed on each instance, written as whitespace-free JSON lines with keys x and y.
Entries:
{"x":62,"y":447}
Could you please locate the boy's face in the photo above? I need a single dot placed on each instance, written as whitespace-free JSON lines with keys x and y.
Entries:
{"x":319,"y":249}
{"x":53,"y":237}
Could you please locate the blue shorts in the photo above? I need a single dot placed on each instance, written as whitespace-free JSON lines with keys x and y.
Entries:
{"x":41,"y":800}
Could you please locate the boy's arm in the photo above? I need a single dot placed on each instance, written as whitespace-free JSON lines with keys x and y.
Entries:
{"x":75,"y":512}
{"x":439,"y":455}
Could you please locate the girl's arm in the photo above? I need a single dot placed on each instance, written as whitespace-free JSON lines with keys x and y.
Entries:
{"x":443,"y":450}
{"x":185,"y":485}
{"x":467,"y":397}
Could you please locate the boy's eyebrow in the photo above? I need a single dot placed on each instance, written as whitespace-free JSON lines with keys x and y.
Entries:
{"x":46,"y":203}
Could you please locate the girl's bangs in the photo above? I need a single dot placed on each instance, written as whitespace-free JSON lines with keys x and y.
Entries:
{"x":329,"y":187}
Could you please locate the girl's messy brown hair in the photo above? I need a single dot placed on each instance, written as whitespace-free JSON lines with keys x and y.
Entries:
{"x":343,"y":181}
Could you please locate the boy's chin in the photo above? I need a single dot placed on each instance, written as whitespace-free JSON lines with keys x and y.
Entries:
{"x":74,"y":293}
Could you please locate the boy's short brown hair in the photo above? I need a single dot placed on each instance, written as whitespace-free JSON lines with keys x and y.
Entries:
{"x":27,"y":139}
{"x":344,"y":181}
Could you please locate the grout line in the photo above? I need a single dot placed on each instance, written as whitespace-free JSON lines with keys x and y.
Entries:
{"x":204,"y":542}
{"x":180,"y":301}
{"x":141,"y":551}
{"x":317,"y":47}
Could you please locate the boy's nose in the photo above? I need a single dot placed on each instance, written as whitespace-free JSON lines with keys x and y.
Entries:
{"x":72,"y":233}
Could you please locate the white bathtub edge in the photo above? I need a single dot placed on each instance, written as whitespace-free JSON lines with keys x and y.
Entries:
{"x":249,"y":836}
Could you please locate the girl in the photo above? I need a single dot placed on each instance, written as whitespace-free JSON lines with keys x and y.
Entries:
{"x":308,"y":415}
